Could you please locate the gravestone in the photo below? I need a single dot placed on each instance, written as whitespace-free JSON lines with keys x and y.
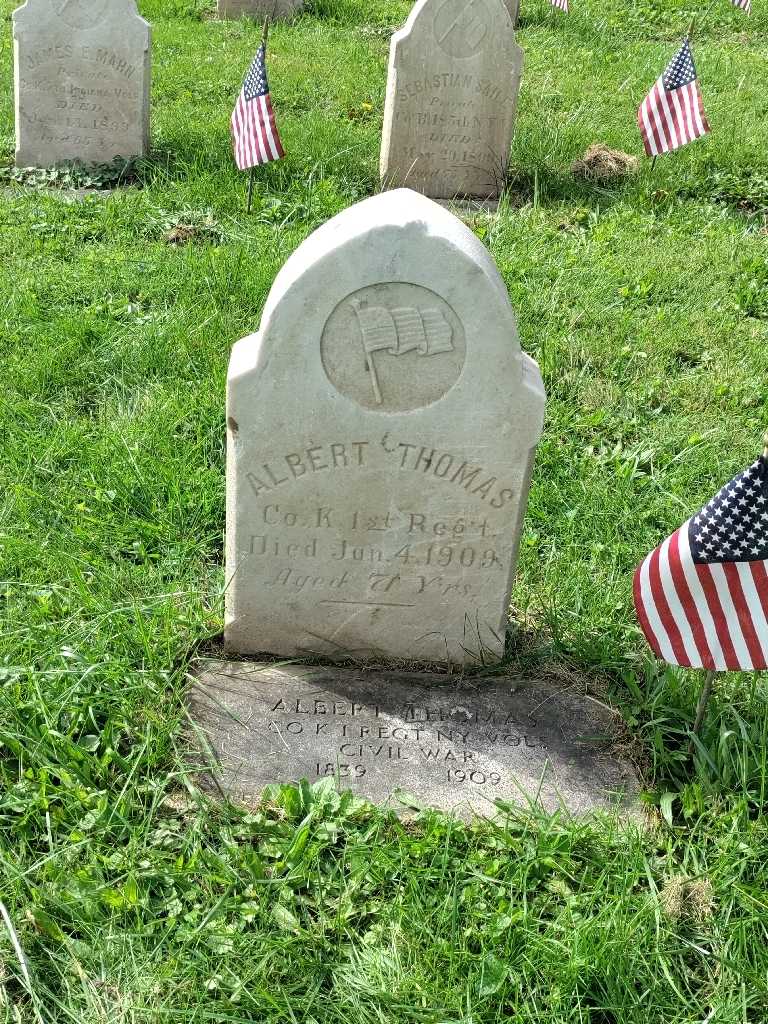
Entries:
{"x":275,"y":9}
{"x":454,"y":76}
{"x":381,"y":432}
{"x":82,"y":70}
{"x":408,"y":739}
{"x":513,"y":6}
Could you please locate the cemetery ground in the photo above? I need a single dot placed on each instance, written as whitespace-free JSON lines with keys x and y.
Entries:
{"x":645,"y":302}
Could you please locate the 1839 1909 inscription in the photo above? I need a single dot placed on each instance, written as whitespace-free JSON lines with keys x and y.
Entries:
{"x":458,"y":746}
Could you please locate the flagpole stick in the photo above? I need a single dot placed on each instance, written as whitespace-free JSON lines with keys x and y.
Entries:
{"x":701,"y":707}
{"x":251,"y":176}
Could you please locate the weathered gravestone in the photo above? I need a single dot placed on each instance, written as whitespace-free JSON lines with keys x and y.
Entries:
{"x":82,"y":70}
{"x":382,"y":426}
{"x":275,"y":9}
{"x":454,"y":744}
{"x":454,"y":76}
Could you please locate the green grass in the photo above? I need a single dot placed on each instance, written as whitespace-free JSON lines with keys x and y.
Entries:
{"x":646,"y":304}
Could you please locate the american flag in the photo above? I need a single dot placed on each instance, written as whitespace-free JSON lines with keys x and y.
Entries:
{"x":562,"y":5}
{"x":702,"y":596}
{"x":744,"y":5}
{"x":254,"y":132}
{"x":672,"y":113}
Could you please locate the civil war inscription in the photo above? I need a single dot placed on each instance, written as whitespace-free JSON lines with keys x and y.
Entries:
{"x":408,"y":739}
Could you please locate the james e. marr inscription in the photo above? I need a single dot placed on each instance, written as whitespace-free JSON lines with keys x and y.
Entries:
{"x":456,"y":746}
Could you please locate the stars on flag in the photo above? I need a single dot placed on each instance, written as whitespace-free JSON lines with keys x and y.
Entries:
{"x":702,"y":596}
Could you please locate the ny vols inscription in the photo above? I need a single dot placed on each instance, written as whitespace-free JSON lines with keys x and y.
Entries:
{"x":457,"y":746}
{"x":82,"y":81}
{"x":454,"y":76}
{"x":381,"y":435}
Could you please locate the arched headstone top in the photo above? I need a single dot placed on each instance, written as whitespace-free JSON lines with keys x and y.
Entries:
{"x":382,"y":424}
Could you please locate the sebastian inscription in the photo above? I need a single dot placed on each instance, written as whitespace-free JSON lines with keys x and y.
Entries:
{"x":454,"y":76}
{"x":82,"y":81}
{"x":450,"y":744}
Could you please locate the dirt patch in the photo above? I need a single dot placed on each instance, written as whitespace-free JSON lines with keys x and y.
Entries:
{"x":600,"y":163}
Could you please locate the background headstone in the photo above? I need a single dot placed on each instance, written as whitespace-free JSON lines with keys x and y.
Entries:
{"x":454,"y":76}
{"x":82,"y":70}
{"x":398,"y":737}
{"x":513,"y":6}
{"x":276,"y":9}
{"x":382,"y":426}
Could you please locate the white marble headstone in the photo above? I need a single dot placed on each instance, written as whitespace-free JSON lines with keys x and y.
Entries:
{"x":258,"y":9}
{"x":381,"y":432}
{"x":82,"y":70}
{"x":454,"y":76}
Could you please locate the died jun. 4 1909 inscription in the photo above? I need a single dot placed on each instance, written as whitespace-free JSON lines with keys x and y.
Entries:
{"x":455,"y":746}
{"x":381,"y":434}
{"x":82,"y":71}
{"x":454,"y":75}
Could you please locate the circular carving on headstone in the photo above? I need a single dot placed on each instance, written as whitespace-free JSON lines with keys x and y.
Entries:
{"x":393,"y":347}
{"x":80,"y":13}
{"x":462,"y":27}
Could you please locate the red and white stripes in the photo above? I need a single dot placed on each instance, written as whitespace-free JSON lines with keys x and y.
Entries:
{"x":671,"y":118}
{"x":712,"y":616}
{"x":256,"y":140}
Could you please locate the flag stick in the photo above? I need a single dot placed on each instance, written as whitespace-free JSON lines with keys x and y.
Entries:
{"x":701,"y":707}
{"x":251,"y":175}
{"x":374,"y":378}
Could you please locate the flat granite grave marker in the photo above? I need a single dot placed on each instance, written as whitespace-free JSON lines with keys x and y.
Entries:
{"x":381,"y":432}
{"x":81,"y":72}
{"x":454,"y":75}
{"x":275,"y":9}
{"x":396,"y":738}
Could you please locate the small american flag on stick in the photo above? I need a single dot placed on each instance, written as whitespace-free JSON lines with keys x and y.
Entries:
{"x":743,"y":5}
{"x":561,"y":5}
{"x":672,"y":113}
{"x":702,"y":596}
{"x":254,"y":132}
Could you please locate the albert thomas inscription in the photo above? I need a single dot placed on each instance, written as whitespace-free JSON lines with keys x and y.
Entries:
{"x":457,"y":746}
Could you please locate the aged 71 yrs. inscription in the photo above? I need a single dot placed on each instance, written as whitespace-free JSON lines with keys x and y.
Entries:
{"x":454,"y":745}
